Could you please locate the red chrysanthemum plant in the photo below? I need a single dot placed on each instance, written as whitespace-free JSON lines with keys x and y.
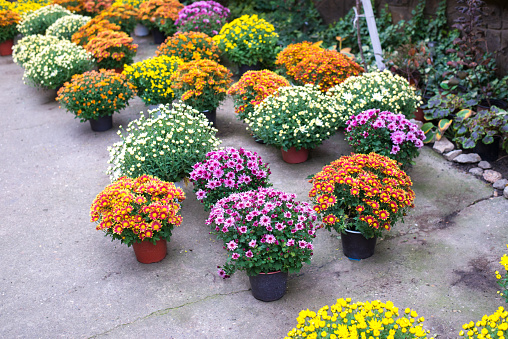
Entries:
{"x":252,"y":88}
{"x":135,"y":210}
{"x":367,"y":193}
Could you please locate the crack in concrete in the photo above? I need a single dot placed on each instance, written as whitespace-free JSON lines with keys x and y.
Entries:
{"x":166,"y":311}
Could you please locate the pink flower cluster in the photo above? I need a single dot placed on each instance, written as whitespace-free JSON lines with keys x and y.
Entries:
{"x":228,"y":171}
{"x":265,"y":224}
{"x":401,"y":129}
{"x":208,"y":13}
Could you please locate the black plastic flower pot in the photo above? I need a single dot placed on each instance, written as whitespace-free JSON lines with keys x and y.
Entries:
{"x":356,"y":246}
{"x":244,"y":68}
{"x":269,"y":286}
{"x":211,"y":115}
{"x":101,"y":124}
{"x":488,"y":152}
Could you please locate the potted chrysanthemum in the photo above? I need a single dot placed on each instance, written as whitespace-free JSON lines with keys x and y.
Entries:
{"x":38,"y":21}
{"x":141,"y":212}
{"x":189,"y":46}
{"x":152,"y":78}
{"x":493,"y":325}
{"x":359,"y":196}
{"x":228,"y":171}
{"x":75,"y":6}
{"x":30,"y":46}
{"x":341,"y":320}
{"x":268,"y":234}
{"x":202,"y":84}
{"x":291,"y":55}
{"x":160,"y":16}
{"x":384,"y":133}
{"x":249,"y":42}
{"x":8,"y":30}
{"x":381,"y":89}
{"x":165,"y":145}
{"x":320,"y":67}
{"x":91,"y":29}
{"x":66,"y":26}
{"x":95,"y":96}
{"x":252,"y":88}
{"x":121,"y":14}
{"x":202,"y":16}
{"x":94,"y":7}
{"x":296,"y":119}
{"x":112,"y":49}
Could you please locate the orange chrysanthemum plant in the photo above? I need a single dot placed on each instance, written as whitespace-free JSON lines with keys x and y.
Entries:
{"x":75,"y":6}
{"x":94,"y":7}
{"x":310,"y":64}
{"x":112,"y":49}
{"x":8,"y":21}
{"x":189,"y":46}
{"x":159,"y":14}
{"x":135,"y":210}
{"x":252,"y":88}
{"x":91,"y":29}
{"x":121,"y":14}
{"x":367,"y":193}
{"x":95,"y":94}
{"x":201,"y":84}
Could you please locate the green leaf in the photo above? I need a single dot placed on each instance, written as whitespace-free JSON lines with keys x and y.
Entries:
{"x":468,"y":143}
{"x":429,"y":137}
{"x":464,"y":113}
{"x":488,"y":140}
{"x":427,"y":127}
{"x":443,"y":125}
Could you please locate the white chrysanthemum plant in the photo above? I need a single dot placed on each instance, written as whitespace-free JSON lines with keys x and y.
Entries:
{"x":165,"y":145}
{"x":381,"y":90}
{"x":297,"y":116}
{"x":38,"y":21}
{"x":66,"y":26}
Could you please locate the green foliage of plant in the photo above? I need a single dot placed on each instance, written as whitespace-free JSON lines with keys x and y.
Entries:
{"x":38,"y":21}
{"x":65,"y":27}
{"x":164,"y":146}
{"x":484,"y":126}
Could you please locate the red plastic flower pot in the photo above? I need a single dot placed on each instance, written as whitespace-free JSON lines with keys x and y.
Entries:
{"x":147,"y":253}
{"x":293,"y":156}
{"x":6,"y":47}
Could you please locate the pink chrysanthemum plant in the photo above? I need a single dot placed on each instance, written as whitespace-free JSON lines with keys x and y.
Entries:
{"x":264,"y":231}
{"x":252,"y":88}
{"x":135,"y":210}
{"x":367,"y":193}
{"x":385,"y":133}
{"x":202,"y":16}
{"x":228,"y":171}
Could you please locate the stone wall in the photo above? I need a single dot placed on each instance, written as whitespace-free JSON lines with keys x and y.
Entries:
{"x":496,"y":20}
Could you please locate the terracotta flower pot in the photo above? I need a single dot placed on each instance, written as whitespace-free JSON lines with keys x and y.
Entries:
{"x":293,"y":156}
{"x":147,"y":253}
{"x":6,"y":47}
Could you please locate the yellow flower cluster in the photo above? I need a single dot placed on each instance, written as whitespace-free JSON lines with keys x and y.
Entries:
{"x":494,"y":326}
{"x":189,"y":46}
{"x":152,"y":78}
{"x":133,"y":3}
{"x":247,"y":40}
{"x":22,"y":7}
{"x":346,"y":320}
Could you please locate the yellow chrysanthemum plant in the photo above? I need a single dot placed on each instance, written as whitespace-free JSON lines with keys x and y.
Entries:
{"x":152,"y":78}
{"x":252,"y":88}
{"x":139,"y":209}
{"x":369,"y":319}
{"x":502,"y":279}
{"x":201,"y":84}
{"x":189,"y":46}
{"x":248,"y":40}
{"x":493,"y":326}
{"x":22,"y":7}
{"x":367,"y":193}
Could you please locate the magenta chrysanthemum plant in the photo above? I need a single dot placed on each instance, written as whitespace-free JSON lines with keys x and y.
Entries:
{"x":264,"y":231}
{"x":202,"y":16}
{"x":384,"y":133}
{"x":228,"y":171}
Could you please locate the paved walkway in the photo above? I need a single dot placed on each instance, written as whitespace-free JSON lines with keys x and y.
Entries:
{"x":61,"y":278}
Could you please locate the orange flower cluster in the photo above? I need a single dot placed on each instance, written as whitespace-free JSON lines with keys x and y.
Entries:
{"x":306,"y":63}
{"x":94,"y":94}
{"x":96,"y":6}
{"x":133,"y":210}
{"x":75,"y":6}
{"x":371,"y":189}
{"x":8,"y":21}
{"x":91,"y":29}
{"x":201,"y":84}
{"x":121,"y":14}
{"x":151,"y":10}
{"x":189,"y":46}
{"x":112,"y":49}
{"x":252,"y":88}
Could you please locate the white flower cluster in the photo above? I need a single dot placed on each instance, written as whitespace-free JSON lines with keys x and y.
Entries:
{"x":165,"y":146}
{"x":66,"y":26}
{"x":30,"y":46}
{"x":36,"y":22}
{"x":297,"y":116}
{"x":376,"y":90}
{"x":56,"y":63}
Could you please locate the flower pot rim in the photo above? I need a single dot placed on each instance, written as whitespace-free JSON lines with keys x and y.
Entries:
{"x":351,"y":231}
{"x":271,"y":272}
